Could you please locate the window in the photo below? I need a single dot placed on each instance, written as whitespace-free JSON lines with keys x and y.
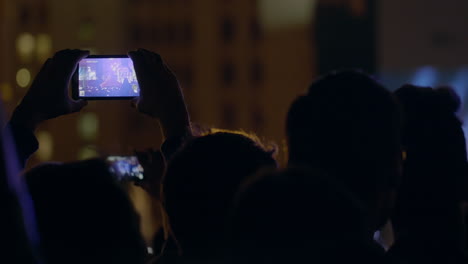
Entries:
{"x":24,"y":15}
{"x":155,"y":35}
{"x":228,"y":73}
{"x":227,"y":30}
{"x":136,"y":33}
{"x":255,"y":30}
{"x":229,"y":118}
{"x":257,"y":119}
{"x":43,"y":13}
{"x":256,"y":72}
{"x":171,"y":34}
{"x":187,"y":77}
{"x":187,"y":32}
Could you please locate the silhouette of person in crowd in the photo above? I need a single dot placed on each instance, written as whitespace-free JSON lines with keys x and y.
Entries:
{"x":348,"y":125}
{"x":83,"y":215}
{"x":298,"y":216}
{"x":428,"y":219}
{"x":199,"y":186}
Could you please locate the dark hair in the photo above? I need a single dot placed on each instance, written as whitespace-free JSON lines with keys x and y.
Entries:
{"x":348,"y":124}
{"x":298,"y":215}
{"x":200,"y":183}
{"x":435,"y":168}
{"x":83,"y":215}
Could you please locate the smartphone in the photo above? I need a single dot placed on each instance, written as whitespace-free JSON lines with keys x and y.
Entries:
{"x":110,"y":77}
{"x":125,"y":168}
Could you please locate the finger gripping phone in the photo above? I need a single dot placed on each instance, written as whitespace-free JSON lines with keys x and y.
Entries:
{"x":110,"y":77}
{"x":125,"y":168}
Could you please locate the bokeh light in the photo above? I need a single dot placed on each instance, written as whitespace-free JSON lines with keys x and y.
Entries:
{"x":23,"y":77}
{"x":87,"y":152}
{"x":44,"y":47}
{"x":7,"y":92}
{"x":88,"y":126}
{"x":46,"y":145}
{"x":25,"y":45}
{"x":277,"y":14}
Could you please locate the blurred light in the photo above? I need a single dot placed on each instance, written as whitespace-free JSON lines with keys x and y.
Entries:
{"x":87,"y":152}
{"x":23,"y":77}
{"x":7,"y":92}
{"x":86,"y":31}
{"x":425,"y":76}
{"x":25,"y":44}
{"x":358,"y":7}
{"x":88,"y":126}
{"x":277,"y":14}
{"x":150,"y":250}
{"x":44,"y":47}
{"x":460,"y":82}
{"x":46,"y":145}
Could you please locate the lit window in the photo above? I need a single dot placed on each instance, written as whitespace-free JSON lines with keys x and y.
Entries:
{"x":7,"y":92}
{"x":44,"y":47}
{"x":88,"y":126}
{"x":25,"y":44}
{"x":87,"y":152}
{"x":46,"y":145}
{"x":23,"y":77}
{"x":86,"y":31}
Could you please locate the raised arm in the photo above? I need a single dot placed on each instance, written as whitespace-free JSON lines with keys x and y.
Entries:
{"x":47,"y":98}
{"x":161,"y":96}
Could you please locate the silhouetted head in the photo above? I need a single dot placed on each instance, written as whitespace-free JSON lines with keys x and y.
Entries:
{"x":434,"y":175}
{"x":83,"y":215}
{"x":200,"y":183}
{"x":298,"y":216}
{"x":348,"y":124}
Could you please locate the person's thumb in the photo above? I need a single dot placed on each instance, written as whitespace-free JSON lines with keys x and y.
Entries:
{"x":134,"y":102}
{"x":76,"y":106}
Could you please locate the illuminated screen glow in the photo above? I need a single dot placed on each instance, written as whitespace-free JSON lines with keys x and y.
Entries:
{"x":125,"y":167}
{"x":107,"y":77}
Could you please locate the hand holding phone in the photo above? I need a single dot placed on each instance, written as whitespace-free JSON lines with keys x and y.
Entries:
{"x":161,"y":95}
{"x":48,"y":96}
{"x":109,"y":77}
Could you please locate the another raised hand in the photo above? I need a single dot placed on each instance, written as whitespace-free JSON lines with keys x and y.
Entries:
{"x":161,"y":96}
{"x":48,"y":95}
{"x":154,"y":165}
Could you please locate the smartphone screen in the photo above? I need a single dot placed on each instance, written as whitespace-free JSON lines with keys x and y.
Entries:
{"x":125,"y":167}
{"x":105,"y":77}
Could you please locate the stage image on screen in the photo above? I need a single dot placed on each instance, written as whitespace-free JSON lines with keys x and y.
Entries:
{"x":107,"y":77}
{"x":125,"y":167}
